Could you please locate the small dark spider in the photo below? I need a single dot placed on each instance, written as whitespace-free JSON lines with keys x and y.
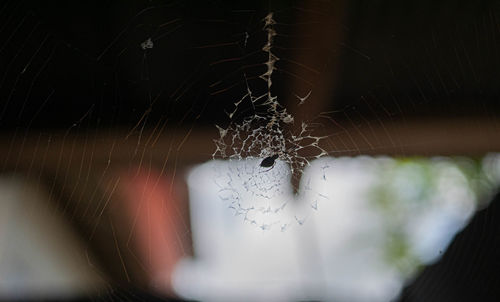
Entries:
{"x":269,"y":162}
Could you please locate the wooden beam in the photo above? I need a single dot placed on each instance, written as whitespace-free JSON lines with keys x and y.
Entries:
{"x":181,"y":147}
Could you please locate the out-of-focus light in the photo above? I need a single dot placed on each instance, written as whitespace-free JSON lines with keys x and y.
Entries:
{"x":40,"y":257}
{"x":379,"y":220}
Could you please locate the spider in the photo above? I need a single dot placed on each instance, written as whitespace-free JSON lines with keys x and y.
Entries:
{"x":269,"y":162}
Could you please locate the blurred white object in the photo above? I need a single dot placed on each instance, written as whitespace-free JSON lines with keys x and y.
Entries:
{"x":40,"y":257}
{"x":340,"y":253}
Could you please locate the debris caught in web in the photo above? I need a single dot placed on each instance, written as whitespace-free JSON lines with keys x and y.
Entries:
{"x":148,"y":44}
{"x":264,"y":150}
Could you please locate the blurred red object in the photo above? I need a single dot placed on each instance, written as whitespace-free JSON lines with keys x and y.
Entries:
{"x":155,"y":206}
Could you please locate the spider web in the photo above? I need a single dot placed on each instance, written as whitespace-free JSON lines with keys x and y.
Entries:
{"x":245,"y":182}
{"x":99,"y":96}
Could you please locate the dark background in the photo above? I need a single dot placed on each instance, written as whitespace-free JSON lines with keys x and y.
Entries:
{"x":406,"y":58}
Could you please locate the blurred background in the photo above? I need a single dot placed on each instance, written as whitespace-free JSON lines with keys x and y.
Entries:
{"x":108,"y":114}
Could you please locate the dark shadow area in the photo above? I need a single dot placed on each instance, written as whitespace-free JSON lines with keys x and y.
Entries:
{"x":470,"y":267}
